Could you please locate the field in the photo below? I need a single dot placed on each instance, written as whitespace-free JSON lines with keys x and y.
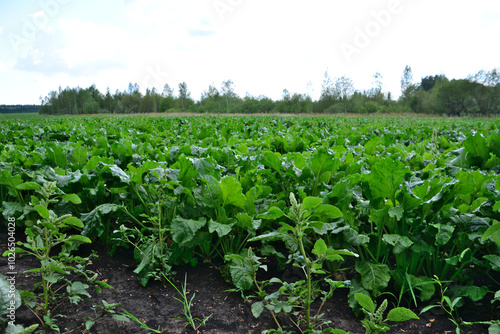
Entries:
{"x":298,"y":216}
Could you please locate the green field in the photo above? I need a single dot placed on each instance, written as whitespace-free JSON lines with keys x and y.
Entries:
{"x":401,"y":202}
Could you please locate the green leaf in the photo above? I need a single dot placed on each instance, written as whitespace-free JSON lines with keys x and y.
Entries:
{"x":400,"y":243}
{"x":73,"y":198}
{"x":475,"y":293}
{"x":257,"y":309}
{"x":273,"y":213}
{"x":122,"y":317}
{"x":272,"y":160}
{"x":365,"y":301}
{"x":328,"y":211}
{"x":231,"y":192}
{"x":443,"y":234}
{"x":424,"y":284}
{"x":241,"y":273}
{"x":494,"y":328}
{"x":73,"y":221}
{"x":56,"y":155}
{"x":374,"y":277}
{"x":494,"y":261}
{"x":89,"y":324}
{"x":494,"y":232}
{"x":476,"y":149}
{"x":136,"y":175}
{"x":311,"y":203}
{"x":397,"y":212}
{"x":42,"y":211}
{"x":386,"y":177}
{"x":11,"y":209}
{"x":401,"y":314}
{"x":221,"y":229}
{"x":19,"y":329}
{"x":29,"y":186}
{"x":320,"y":247}
{"x":184,"y":230}
{"x":6,"y":295}
{"x":80,"y":238}
{"x":78,"y":288}
{"x":79,"y":156}
{"x":93,"y":220}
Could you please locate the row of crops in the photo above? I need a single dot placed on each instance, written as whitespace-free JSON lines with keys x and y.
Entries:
{"x":409,"y":202}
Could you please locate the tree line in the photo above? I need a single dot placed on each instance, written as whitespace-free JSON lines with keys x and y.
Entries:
{"x":19,"y":108}
{"x":476,"y":95}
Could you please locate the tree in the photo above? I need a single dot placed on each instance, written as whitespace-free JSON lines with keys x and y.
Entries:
{"x":408,"y":89}
{"x":148,"y":103}
{"x":184,"y":96}
{"x":489,"y":92}
{"x":228,"y":93}
{"x":406,"y":79}
{"x":167,"y":91}
{"x":327,"y":88}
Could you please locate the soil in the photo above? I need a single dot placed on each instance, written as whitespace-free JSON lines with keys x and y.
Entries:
{"x":156,"y":306}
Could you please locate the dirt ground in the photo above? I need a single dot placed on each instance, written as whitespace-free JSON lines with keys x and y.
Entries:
{"x":155,"y":304}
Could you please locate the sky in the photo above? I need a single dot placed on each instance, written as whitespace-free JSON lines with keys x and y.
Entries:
{"x":262,"y":46}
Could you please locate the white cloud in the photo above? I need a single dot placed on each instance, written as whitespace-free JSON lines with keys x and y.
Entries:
{"x":88,"y":42}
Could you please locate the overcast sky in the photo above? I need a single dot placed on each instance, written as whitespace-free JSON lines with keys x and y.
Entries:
{"x":263,"y":46}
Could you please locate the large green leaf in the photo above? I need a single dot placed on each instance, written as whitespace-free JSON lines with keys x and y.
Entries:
{"x":494,"y":232}
{"x":444,"y":233}
{"x":29,"y":186}
{"x":374,"y":277}
{"x":79,"y":156}
{"x":310,"y":203}
{"x":184,"y":230}
{"x":221,"y":229}
{"x":386,"y":177}
{"x":477,"y":150}
{"x":93,"y":219}
{"x":231,"y":192}
{"x":136,"y":174}
{"x":7,"y":295}
{"x":424,"y":284}
{"x":10,"y":209}
{"x":273,"y":213}
{"x":328,"y":211}
{"x":56,"y":155}
{"x":400,"y":243}
{"x":241,"y":273}
{"x":272,"y":160}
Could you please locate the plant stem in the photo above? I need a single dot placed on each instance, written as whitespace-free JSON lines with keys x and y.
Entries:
{"x":298,"y":235}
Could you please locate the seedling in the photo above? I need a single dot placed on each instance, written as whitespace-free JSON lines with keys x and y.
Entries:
{"x":301,"y":294}
{"x":55,"y":270}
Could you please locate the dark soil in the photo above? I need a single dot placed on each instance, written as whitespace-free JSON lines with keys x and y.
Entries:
{"x":156,"y":306}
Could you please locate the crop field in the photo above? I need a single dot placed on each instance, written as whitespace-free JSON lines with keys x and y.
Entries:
{"x":401,"y":213}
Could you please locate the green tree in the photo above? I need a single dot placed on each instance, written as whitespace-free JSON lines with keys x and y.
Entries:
{"x":184,"y":96}
{"x":408,"y":89}
{"x":148,"y":103}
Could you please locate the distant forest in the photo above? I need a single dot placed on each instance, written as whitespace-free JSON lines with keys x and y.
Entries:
{"x":15,"y":109}
{"x":477,"y":95}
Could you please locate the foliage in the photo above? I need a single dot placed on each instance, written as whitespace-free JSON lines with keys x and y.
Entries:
{"x":475,"y":95}
{"x":413,"y":197}
{"x":41,"y":239}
